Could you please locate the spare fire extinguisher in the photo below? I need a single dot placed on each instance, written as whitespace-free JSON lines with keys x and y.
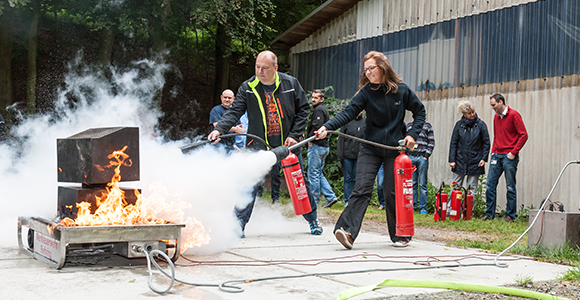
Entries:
{"x":404,"y":169}
{"x":296,"y":185}
{"x":441,"y":199}
{"x":454,"y":209}
{"x":467,"y":205}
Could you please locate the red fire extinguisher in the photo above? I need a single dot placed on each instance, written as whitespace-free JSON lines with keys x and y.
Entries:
{"x":296,"y":185}
{"x":404,"y":169}
{"x":454,"y":209}
{"x":467,"y":205}
{"x":441,"y":199}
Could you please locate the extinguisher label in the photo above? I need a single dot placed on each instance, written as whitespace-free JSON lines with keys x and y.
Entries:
{"x":301,"y":191}
{"x":452,"y":212}
{"x":444,"y":206}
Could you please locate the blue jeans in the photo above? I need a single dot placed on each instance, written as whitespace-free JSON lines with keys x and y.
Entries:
{"x":380,"y":179}
{"x":318,"y":183}
{"x":420,"y":181}
{"x":498,"y":164}
{"x":349,"y":173}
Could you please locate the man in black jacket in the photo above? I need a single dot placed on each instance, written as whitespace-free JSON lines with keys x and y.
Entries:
{"x":277,"y":112}
{"x":318,"y":151}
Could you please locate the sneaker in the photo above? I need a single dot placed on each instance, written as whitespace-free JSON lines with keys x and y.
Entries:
{"x":315,"y":228}
{"x":275,"y":201}
{"x":509,"y":219}
{"x":330,"y":204}
{"x":344,"y":238}
{"x":423,"y":211}
{"x":485,"y":218}
{"x":243,"y":235}
{"x":401,"y":244}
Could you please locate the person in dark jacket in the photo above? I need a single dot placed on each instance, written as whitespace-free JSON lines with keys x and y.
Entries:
{"x":385,"y":98}
{"x":347,"y":152}
{"x":318,"y":151}
{"x":277,"y":112}
{"x":469,"y":147}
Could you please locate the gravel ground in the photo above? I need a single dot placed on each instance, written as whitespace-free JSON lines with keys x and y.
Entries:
{"x":564,"y":289}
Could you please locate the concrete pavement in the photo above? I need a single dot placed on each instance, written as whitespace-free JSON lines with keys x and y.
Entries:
{"x":292,"y":251}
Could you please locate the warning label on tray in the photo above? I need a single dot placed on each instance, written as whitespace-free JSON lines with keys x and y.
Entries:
{"x":46,"y":246}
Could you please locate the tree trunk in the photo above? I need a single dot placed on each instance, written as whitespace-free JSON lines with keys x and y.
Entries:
{"x":5,"y":62}
{"x":106,"y":47}
{"x":222,"y":63}
{"x":32,"y":53}
{"x":157,"y":31}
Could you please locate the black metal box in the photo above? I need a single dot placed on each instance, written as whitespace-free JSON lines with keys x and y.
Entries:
{"x":83,"y":157}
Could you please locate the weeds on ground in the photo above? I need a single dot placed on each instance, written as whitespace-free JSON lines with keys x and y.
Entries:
{"x":523,"y":280}
{"x":572,"y":274}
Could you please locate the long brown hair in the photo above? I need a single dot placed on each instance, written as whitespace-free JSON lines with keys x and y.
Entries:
{"x":390,"y":78}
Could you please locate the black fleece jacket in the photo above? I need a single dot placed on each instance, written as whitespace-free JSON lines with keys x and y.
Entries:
{"x":385,"y":114}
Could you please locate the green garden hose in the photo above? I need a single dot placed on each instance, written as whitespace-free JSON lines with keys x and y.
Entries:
{"x":445,"y":285}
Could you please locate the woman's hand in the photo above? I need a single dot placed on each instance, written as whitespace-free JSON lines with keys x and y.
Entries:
{"x":321,"y":133}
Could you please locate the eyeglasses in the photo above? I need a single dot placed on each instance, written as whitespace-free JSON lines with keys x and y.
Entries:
{"x":371,"y":68}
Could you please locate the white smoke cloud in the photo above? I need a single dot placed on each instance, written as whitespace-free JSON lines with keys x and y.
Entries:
{"x":211,"y":182}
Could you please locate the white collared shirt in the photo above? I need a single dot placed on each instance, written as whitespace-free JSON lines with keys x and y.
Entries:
{"x":504,"y":112}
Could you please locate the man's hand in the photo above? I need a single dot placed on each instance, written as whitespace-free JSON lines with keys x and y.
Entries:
{"x":214,"y":136}
{"x":410,"y":142}
{"x":510,"y":156}
{"x":290,"y":142}
{"x":321,"y":132}
{"x":481,"y":163}
{"x":452,"y":165}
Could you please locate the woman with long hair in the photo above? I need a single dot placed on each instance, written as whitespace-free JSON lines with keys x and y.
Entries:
{"x":386,"y":99}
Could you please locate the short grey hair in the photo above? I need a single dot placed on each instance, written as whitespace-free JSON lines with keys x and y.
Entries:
{"x":465,"y":107}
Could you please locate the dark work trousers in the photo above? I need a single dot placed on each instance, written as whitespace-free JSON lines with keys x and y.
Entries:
{"x":245,"y":213}
{"x":275,"y":181}
{"x":368,"y":164}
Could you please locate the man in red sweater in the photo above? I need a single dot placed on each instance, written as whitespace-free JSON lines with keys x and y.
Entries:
{"x":510,"y":135}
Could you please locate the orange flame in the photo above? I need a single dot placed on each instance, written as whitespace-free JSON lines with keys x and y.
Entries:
{"x":113,"y":209}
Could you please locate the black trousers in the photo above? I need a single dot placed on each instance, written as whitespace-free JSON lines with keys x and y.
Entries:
{"x":368,"y":163}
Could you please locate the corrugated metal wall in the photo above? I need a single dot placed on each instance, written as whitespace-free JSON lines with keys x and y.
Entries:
{"x":534,"y":40}
{"x":475,"y":49}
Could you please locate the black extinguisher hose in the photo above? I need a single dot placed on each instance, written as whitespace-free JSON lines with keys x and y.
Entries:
{"x":439,"y":208}
{"x":463,"y":204}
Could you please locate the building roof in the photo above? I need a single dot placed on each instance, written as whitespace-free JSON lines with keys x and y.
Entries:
{"x":314,"y":21}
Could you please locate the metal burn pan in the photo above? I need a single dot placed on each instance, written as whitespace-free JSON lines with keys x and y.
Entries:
{"x":92,"y":243}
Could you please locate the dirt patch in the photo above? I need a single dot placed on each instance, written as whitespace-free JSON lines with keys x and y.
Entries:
{"x":564,"y":289}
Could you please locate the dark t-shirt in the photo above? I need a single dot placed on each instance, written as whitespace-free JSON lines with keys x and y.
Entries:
{"x":274,"y":129}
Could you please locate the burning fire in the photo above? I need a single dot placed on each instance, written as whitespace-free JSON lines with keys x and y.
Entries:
{"x":113,"y":209}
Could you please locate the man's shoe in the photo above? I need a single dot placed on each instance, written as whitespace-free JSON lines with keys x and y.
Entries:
{"x":381,"y":207}
{"x":330,"y":204}
{"x":423,"y":211}
{"x":275,"y":201}
{"x":344,"y":238}
{"x":509,"y":219}
{"x":401,"y":244}
{"x":315,"y":228}
{"x":485,"y":218}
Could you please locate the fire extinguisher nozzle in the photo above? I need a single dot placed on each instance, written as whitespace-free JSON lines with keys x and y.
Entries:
{"x":281,"y":153}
